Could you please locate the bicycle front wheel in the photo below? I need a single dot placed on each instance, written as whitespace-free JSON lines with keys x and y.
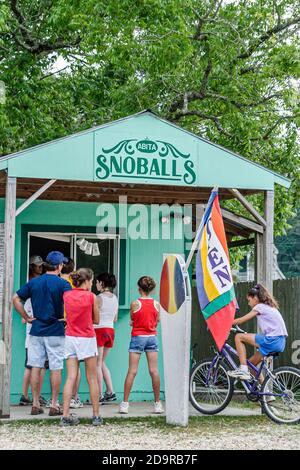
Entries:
{"x":210,"y":387}
{"x":282,"y":400}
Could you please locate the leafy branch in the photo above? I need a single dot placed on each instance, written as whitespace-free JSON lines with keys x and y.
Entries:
{"x":267,"y":35}
{"x":25,"y":39}
{"x":207,"y":91}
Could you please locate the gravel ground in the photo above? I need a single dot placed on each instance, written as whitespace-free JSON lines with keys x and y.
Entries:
{"x":255,"y":432}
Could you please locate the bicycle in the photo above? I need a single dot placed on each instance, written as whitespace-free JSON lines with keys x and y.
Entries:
{"x":193,"y":361}
{"x":211,"y":389}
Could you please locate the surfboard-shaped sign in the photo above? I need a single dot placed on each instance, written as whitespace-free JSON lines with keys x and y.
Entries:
{"x":175,"y":301}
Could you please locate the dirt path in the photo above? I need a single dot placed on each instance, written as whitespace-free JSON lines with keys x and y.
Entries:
{"x":255,"y":432}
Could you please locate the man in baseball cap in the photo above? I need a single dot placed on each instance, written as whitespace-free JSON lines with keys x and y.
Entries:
{"x":47,"y":333}
{"x":36,"y":259}
{"x":35,"y":270}
{"x":55,"y":258}
{"x":35,"y":266}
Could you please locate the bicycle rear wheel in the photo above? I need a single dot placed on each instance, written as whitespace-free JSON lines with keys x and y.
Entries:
{"x":210,"y":389}
{"x":283,"y":404}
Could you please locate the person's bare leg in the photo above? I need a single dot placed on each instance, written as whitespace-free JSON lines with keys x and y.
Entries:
{"x":26,"y":382}
{"x":99,"y":370}
{"x":77,"y":384}
{"x":92,"y":379}
{"x":152,"y":358}
{"x":255,"y":360}
{"x":55,"y":378}
{"x":35,"y":385}
{"x":240,"y":340}
{"x":106,"y":372}
{"x":134,"y":359}
{"x":42,"y":378}
{"x":72,"y":371}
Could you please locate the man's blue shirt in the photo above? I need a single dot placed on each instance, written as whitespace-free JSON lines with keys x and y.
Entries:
{"x":46,"y":294}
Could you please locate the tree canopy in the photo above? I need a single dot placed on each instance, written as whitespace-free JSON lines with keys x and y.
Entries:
{"x":226,"y":70}
{"x":289,"y":249}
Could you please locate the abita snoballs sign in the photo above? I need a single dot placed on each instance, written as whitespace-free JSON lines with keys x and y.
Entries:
{"x":148,"y":160}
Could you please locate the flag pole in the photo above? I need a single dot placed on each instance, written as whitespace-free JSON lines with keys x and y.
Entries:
{"x":196,"y":240}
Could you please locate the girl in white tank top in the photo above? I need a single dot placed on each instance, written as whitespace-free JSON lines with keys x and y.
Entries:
{"x":108,"y":304}
{"x":105,"y":334}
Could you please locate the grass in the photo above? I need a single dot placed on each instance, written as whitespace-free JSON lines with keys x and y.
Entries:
{"x":195,"y":422}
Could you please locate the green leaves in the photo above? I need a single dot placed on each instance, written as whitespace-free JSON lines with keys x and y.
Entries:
{"x":68,"y":65}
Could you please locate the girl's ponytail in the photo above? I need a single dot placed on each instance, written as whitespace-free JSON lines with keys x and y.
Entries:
{"x":80,"y":276}
{"x":263,"y":295}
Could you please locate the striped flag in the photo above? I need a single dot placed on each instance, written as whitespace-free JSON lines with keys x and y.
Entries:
{"x":213,"y":275}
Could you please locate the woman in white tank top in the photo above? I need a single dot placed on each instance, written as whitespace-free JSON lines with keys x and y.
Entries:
{"x":105,"y":333}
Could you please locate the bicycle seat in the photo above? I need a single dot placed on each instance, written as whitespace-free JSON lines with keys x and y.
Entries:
{"x":273,"y":354}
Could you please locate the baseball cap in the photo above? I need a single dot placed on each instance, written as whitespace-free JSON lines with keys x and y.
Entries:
{"x":55,"y":258}
{"x":36,"y":259}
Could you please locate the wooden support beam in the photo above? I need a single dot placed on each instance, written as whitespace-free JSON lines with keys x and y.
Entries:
{"x":258,"y":262}
{"x":35,"y":196}
{"x":244,"y":242}
{"x":268,"y":247}
{"x":268,"y":241}
{"x":248,"y":206}
{"x":238,"y":221}
{"x":8,"y":284}
{"x":242,"y":221}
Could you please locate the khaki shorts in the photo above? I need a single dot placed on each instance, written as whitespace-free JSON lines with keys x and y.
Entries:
{"x":41,"y":348}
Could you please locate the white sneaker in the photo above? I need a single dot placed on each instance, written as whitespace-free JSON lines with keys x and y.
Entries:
{"x":49,"y":403}
{"x":158,"y":408}
{"x":79,"y":403}
{"x":239,"y":374}
{"x":74,"y":404}
{"x":124,"y":407}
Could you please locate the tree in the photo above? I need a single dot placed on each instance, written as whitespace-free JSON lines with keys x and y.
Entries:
{"x":228,"y":71}
{"x":289,"y":249}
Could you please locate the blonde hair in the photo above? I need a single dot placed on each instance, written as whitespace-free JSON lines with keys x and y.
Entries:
{"x":80,"y":276}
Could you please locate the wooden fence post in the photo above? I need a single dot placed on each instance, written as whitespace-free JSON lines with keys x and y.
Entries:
{"x":8,"y":284}
{"x":268,"y":241}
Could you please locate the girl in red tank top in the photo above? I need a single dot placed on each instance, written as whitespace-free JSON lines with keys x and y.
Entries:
{"x":82,"y":311}
{"x":144,"y":314}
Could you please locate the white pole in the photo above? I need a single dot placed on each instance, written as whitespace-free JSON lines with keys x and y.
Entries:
{"x":34,"y":196}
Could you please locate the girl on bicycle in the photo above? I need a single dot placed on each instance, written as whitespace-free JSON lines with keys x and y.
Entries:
{"x":271,"y":325}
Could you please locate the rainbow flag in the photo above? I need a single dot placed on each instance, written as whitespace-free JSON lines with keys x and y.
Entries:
{"x":213,"y":275}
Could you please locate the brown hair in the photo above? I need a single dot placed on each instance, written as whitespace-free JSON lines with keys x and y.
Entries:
{"x":108,"y":280}
{"x":146,"y":284}
{"x":263,"y":295}
{"x":50,"y":267}
{"x":80,"y":276}
{"x":68,"y":267}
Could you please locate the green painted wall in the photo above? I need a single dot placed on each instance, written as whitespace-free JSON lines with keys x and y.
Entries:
{"x":143,"y":257}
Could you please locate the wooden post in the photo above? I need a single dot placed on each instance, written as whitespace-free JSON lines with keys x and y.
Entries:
{"x":268,"y":241}
{"x":259,"y":276}
{"x":8,"y":284}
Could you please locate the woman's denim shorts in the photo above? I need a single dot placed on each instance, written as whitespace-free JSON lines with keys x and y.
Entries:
{"x":140,"y":344}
